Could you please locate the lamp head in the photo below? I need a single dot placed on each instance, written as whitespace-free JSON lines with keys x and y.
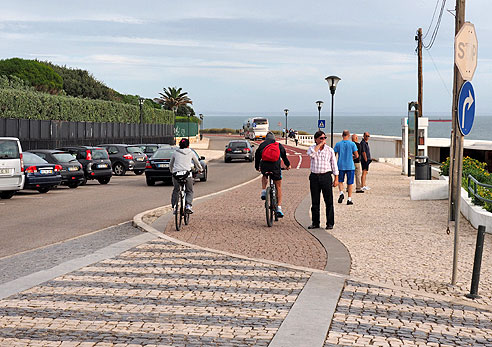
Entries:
{"x":141,"y":101}
{"x":332,"y":82}
{"x":319,"y":103}
{"x":286,"y":111}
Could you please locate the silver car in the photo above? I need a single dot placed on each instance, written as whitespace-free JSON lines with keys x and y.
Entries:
{"x":11,"y":167}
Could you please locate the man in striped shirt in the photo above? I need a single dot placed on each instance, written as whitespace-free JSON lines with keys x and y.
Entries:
{"x":323,"y":166}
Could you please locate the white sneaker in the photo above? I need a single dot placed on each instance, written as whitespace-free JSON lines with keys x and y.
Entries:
{"x":365,"y":188}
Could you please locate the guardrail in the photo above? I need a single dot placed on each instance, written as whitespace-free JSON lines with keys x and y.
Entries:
{"x":472,"y":180}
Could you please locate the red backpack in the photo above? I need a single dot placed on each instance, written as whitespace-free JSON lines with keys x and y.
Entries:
{"x":271,"y":152}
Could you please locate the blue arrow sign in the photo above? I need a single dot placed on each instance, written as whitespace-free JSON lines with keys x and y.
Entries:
{"x":321,"y":123}
{"x":254,"y":125}
{"x":466,"y":108}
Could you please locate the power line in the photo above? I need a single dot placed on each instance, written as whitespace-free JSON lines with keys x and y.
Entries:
{"x":439,"y":74}
{"x":436,"y":28}
{"x":432,"y":20}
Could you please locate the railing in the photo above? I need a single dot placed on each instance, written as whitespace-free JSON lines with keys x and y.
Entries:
{"x":472,"y":183}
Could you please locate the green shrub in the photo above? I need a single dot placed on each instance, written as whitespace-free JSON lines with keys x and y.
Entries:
{"x":37,"y":74}
{"x":220,"y":131}
{"x":34,"y":105}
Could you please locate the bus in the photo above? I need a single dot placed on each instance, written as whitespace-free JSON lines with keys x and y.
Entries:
{"x":255,"y":128}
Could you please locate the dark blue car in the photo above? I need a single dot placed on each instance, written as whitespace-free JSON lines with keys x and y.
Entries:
{"x":40,"y":175}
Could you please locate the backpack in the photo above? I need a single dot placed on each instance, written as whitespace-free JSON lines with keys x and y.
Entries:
{"x":271,"y":152}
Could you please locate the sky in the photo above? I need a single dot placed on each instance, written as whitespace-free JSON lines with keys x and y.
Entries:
{"x":256,"y":56}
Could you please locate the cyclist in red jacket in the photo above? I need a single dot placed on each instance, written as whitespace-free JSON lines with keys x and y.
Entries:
{"x":268,"y":158}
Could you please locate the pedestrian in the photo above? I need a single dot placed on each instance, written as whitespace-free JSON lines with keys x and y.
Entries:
{"x":365,"y":159}
{"x":358,"y":168}
{"x":346,"y":150}
{"x":323,"y":166}
{"x":283,"y":132}
{"x":296,"y":137}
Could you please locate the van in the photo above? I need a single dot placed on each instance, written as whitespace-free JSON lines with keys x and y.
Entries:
{"x":11,"y":167}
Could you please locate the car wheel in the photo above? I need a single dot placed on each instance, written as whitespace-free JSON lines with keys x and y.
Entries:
{"x":119,"y":169}
{"x":150,"y":181}
{"x":227,"y":160}
{"x":104,"y":180}
{"x":138,"y":172}
{"x":204,"y":178}
{"x":84,"y":182}
{"x":44,"y":190}
{"x":73,"y":184}
{"x":7,"y":194}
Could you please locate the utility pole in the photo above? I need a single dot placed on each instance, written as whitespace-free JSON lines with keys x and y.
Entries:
{"x":456,"y":149}
{"x":420,"y":77}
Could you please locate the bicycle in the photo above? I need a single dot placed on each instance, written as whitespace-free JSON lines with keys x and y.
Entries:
{"x":271,"y":202}
{"x":180,"y":212}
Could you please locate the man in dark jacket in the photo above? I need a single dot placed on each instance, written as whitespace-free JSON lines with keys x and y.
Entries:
{"x":273,"y":167}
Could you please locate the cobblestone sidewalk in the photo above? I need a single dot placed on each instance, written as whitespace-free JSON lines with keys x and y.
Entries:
{"x":158,"y":293}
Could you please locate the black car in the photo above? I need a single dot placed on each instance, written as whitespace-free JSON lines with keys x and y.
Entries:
{"x":126,"y":158}
{"x":150,"y":148}
{"x":40,"y":175}
{"x":239,"y":149}
{"x":94,"y":160}
{"x":157,"y":168}
{"x":72,"y":171}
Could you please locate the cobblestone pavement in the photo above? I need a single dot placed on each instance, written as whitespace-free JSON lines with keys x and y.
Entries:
{"x":235,"y":222}
{"x":158,"y":293}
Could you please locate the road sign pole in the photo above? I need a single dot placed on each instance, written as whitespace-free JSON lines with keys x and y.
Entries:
{"x":456,"y":150}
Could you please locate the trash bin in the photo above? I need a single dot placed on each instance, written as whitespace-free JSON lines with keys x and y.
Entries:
{"x":422,"y":168}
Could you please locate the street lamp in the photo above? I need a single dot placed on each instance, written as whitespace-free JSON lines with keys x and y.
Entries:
{"x":201,"y":126}
{"x":188,"y":114}
{"x":319,"y":103}
{"x":286,"y":129}
{"x":140,"y":102}
{"x":332,"y":82}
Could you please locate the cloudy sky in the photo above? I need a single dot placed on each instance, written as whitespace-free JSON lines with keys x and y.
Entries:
{"x":253,"y":56}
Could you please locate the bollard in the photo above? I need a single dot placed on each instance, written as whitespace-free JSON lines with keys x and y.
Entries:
{"x":477,"y":263}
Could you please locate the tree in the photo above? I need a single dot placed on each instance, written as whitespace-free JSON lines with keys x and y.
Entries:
{"x":37,"y":74}
{"x":172,"y":98}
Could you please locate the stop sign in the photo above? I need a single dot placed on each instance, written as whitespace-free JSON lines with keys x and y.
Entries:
{"x":465,"y":51}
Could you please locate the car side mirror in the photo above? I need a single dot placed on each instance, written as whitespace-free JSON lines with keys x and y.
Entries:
{"x":202,"y":158}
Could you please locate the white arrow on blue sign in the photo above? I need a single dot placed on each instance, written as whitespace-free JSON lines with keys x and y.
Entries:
{"x":254,"y":125}
{"x":321,"y":123}
{"x":466,"y":108}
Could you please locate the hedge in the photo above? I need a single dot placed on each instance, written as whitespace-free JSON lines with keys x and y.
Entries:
{"x":34,"y":105}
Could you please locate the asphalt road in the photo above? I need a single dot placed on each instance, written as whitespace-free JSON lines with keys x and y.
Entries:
{"x":30,"y":220}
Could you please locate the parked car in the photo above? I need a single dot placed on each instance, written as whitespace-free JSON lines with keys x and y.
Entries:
{"x":157,"y":168}
{"x":150,"y":148}
{"x":72,"y":171}
{"x":239,"y":149}
{"x":126,"y":158}
{"x":94,"y":160}
{"x":11,"y":167}
{"x":40,"y":175}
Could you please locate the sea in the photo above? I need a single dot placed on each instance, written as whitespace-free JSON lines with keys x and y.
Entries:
{"x":374,"y":124}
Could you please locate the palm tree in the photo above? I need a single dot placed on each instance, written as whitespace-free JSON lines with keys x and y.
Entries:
{"x":172,"y":98}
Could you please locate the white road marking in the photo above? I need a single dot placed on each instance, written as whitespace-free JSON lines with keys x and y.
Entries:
{"x":300,"y":161}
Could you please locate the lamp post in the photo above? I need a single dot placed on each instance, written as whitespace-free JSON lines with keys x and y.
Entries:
{"x":201,"y":126}
{"x":286,"y":129}
{"x":188,"y":114}
{"x":319,"y":103}
{"x":332,"y":82}
{"x":140,"y":102}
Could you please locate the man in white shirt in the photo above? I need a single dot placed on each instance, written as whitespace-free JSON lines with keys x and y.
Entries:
{"x":323,"y":166}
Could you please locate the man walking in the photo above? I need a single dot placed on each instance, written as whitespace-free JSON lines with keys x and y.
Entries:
{"x":347,"y":151}
{"x":323,"y":165}
{"x":358,"y":168}
{"x":365,"y":159}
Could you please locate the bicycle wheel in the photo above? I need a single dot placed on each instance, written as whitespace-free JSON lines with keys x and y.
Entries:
{"x":268,"y":207}
{"x":178,"y":214}
{"x":186,"y":214}
{"x":274,"y":204}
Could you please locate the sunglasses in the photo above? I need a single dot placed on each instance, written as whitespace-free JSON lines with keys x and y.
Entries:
{"x":322,"y":137}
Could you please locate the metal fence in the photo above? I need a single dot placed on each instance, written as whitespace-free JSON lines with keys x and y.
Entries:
{"x":36,"y":134}
{"x":472,"y":189}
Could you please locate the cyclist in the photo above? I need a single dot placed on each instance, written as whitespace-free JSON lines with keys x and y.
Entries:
{"x":183,"y":159}
{"x":268,"y":158}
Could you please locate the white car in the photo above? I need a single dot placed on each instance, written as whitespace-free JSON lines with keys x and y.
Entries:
{"x":11,"y":167}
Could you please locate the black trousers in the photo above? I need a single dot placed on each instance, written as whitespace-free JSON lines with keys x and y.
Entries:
{"x":317,"y":184}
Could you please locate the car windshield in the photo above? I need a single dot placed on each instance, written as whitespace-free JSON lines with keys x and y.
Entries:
{"x":30,"y":158}
{"x":9,"y":149}
{"x":134,"y":149}
{"x":163,"y":153}
{"x":99,"y":154}
{"x":63,"y":157}
{"x":238,"y":145}
{"x":261,"y":121}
